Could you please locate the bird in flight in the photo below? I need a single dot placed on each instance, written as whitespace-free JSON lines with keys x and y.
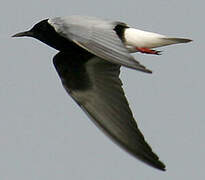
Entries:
{"x":91,"y":52}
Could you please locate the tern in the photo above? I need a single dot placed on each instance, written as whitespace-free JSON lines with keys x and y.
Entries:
{"x":91,"y":52}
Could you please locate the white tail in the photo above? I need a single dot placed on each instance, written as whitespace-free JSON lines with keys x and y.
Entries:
{"x":139,"y":38}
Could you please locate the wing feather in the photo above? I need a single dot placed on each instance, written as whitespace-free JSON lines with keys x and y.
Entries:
{"x":95,"y":85}
{"x":98,"y":37}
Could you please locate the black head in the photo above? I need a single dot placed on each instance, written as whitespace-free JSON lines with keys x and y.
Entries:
{"x":38,"y":31}
{"x":46,"y":33}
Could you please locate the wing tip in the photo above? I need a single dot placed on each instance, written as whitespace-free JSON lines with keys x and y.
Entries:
{"x":148,"y":71}
{"x":144,"y":69}
{"x":154,"y":162}
{"x":140,"y":67}
{"x":160,"y":165}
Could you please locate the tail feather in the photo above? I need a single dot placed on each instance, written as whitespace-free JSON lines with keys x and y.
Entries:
{"x":176,"y":40}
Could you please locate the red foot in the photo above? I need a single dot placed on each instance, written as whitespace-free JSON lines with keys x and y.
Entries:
{"x":148,"y":51}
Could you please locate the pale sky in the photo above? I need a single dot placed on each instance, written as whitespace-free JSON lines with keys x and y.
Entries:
{"x":44,"y":135}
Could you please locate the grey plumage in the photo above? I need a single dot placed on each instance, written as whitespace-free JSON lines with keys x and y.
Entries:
{"x":98,"y":37}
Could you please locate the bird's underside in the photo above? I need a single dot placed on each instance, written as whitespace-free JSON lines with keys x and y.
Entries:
{"x":95,"y":85}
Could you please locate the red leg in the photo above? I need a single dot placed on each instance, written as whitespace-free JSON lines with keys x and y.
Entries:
{"x":148,"y":51}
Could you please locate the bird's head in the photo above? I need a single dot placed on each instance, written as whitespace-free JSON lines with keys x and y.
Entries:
{"x":38,"y":31}
{"x":46,"y":33}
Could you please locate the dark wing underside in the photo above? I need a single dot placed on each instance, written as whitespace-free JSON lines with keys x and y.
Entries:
{"x":95,"y":85}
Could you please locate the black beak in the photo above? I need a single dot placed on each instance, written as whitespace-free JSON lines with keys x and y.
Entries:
{"x":22,"y":34}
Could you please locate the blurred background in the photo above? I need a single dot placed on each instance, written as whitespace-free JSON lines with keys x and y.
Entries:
{"x":44,"y":134}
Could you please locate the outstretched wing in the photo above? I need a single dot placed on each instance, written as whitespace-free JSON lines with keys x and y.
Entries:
{"x":95,"y":85}
{"x":98,"y":37}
